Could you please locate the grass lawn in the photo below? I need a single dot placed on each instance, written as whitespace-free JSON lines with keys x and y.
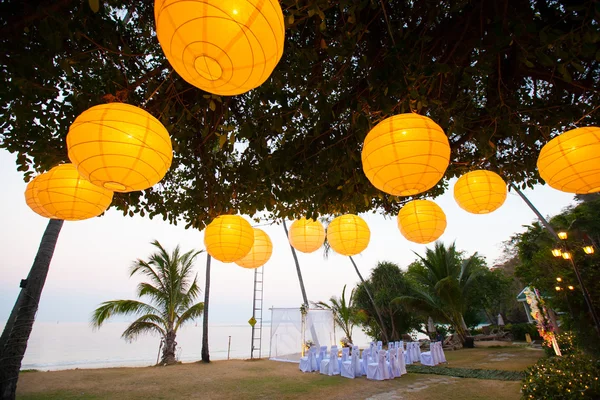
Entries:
{"x":265,"y":379}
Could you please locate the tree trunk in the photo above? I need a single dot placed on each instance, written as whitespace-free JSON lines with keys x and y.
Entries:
{"x":205,"y":355}
{"x":461,"y":328}
{"x":20,"y":323}
{"x":381,"y":323}
{"x":305,"y":299}
{"x":168,"y":357}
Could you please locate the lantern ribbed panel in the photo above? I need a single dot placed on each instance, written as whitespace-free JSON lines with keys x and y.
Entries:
{"x":571,"y":162}
{"x":480,"y":192}
{"x":65,"y":194}
{"x":405,"y":154}
{"x":259,"y":253}
{"x":306,"y":235}
{"x":348,"y":234}
{"x":32,"y":199}
{"x":421,"y":221}
{"x":225,"y":47}
{"x":228,"y":238}
{"x":120,"y":147}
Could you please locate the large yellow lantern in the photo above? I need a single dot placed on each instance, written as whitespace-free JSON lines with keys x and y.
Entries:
{"x":306,"y":235}
{"x":260,"y":253}
{"x":64,"y":194}
{"x":348,"y":234}
{"x":228,"y":238}
{"x":421,"y":221}
{"x":119,"y":147}
{"x":225,"y":47}
{"x":32,"y":199}
{"x":405,"y":154}
{"x":571,"y":162}
{"x":480,"y":192}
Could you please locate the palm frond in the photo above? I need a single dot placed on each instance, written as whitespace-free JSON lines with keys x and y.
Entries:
{"x":120,"y":307}
{"x":144,"y":324}
{"x":191,"y":313}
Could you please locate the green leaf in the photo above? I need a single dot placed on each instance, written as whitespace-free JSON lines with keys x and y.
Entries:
{"x":290,"y":19}
{"x":94,"y":5}
{"x":222,"y":141}
{"x":212,"y":105}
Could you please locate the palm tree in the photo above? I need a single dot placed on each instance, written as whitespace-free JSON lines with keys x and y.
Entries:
{"x":171,"y":292}
{"x":343,"y":312}
{"x":441,"y":285}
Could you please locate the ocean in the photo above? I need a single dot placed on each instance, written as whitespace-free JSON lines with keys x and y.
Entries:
{"x":70,"y":345}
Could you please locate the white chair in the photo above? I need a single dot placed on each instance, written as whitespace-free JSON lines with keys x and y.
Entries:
{"x":441,"y":355}
{"x":430,"y":357}
{"x":356,"y":364}
{"x":379,"y":345}
{"x":401,"y":363}
{"x":394,"y":370}
{"x":364,"y":361}
{"x":416,"y":351}
{"x":408,"y":354}
{"x":309,"y":362}
{"x":378,"y":371}
{"x":347,"y":370}
{"x":372,"y":352}
{"x":321,"y":356}
{"x":345,"y":356}
{"x":330,"y":366}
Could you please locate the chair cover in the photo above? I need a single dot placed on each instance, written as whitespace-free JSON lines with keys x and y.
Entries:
{"x":430,"y":357}
{"x":364,"y":361}
{"x":345,"y":356}
{"x":380,"y":370}
{"x":321,"y":356}
{"x":309,"y":363}
{"x":379,"y":345}
{"x":401,"y":362}
{"x":394,"y":369}
{"x":372,"y":352}
{"x":441,"y":355}
{"x":330,"y":366}
{"x":348,"y":368}
{"x":408,"y":354}
{"x":416,"y":351}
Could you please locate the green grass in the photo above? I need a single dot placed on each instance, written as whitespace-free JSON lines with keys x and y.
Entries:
{"x":59,"y":395}
{"x":495,"y":374}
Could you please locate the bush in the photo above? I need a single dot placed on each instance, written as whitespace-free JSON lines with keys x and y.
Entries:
{"x":566,"y":342}
{"x":519,"y":330}
{"x":574,"y":376}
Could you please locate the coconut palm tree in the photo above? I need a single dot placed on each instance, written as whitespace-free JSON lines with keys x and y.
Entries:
{"x":343,"y":312}
{"x":171,"y":292}
{"x":441,"y":285}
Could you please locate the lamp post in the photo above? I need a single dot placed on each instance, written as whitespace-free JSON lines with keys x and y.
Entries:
{"x":559,"y":237}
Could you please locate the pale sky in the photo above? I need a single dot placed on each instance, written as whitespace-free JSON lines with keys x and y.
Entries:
{"x":92,"y":257}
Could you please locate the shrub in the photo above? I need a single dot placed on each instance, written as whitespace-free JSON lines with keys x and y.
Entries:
{"x":519,"y":330}
{"x":574,"y":376}
{"x":566,"y":342}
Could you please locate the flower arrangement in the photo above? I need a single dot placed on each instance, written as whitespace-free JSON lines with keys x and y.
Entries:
{"x":540,"y":315}
{"x":308,"y":344}
{"x":345,"y":342}
{"x":304,"y":309}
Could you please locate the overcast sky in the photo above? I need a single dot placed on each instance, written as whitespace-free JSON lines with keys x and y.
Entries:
{"x":92,"y":257}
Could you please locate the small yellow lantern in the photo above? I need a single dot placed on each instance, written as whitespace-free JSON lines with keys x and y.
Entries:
{"x":557,"y":253}
{"x":562,"y":235}
{"x":571,"y":162}
{"x":32,"y":199}
{"x":260,"y":253}
{"x":225,"y":47}
{"x":588,"y":249}
{"x":348,"y":234}
{"x":566,"y":255}
{"x":119,"y":147}
{"x":421,"y":221}
{"x":405,"y":154}
{"x":228,"y":238}
{"x":306,"y":235}
{"x":480,"y":192}
{"x":64,"y":194}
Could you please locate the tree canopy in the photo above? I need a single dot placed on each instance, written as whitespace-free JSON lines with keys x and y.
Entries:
{"x":500,"y":77}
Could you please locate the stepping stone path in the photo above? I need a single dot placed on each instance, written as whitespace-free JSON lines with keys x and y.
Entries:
{"x":415,"y":387}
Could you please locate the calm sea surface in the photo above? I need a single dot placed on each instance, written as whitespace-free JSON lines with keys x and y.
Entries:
{"x":55,"y":346}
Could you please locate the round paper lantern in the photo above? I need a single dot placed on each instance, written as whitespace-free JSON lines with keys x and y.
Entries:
{"x":64,"y":194}
{"x":32,"y":199}
{"x":228,"y":238}
{"x":119,"y":147}
{"x":225,"y":47}
{"x":260,"y":253}
{"x":421,"y":221}
{"x":405,"y":154}
{"x":306,"y":235}
{"x":480,"y":192}
{"x":571,"y":162}
{"x":348,"y":234}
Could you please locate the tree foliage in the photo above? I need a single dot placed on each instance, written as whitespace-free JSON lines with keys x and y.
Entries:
{"x":171,"y":292}
{"x":387,"y":281}
{"x":500,"y":77}
{"x":344,"y":312}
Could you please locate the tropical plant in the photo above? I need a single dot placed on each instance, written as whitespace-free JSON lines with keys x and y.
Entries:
{"x":441,"y":284}
{"x":343,"y":312}
{"x":387,"y":281}
{"x":171,"y":292}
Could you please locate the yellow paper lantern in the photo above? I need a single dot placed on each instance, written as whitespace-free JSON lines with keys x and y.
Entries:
{"x":225,"y":47}
{"x":480,"y":192}
{"x":421,"y":221}
{"x":260,"y":253}
{"x":32,"y":199}
{"x":228,"y":238}
{"x":306,"y":235}
{"x":348,"y":234}
{"x":119,"y":147}
{"x":571,"y":162}
{"x":64,"y":194}
{"x":405,"y":154}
